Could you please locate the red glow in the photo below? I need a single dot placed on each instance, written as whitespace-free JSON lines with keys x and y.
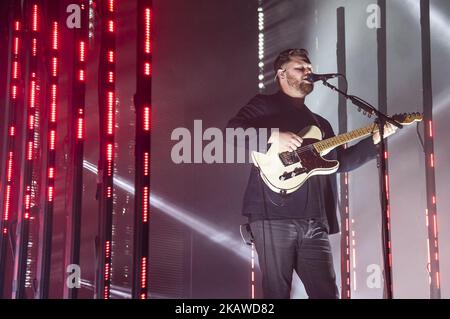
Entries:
{"x":53,"y":103}
{"x":147,"y":68}
{"x":109,"y":152}
{"x":110,"y":112}
{"x":30,"y":151}
{"x":7,"y":203}
{"x":106,"y":271}
{"x":109,"y":158}
{"x":434,"y":199}
{"x":16,"y":25}
{"x":107,"y":248}
{"x":14,"y":92}
{"x":33,"y":94}
{"x":81,"y":76}
{"x":144,"y":272}
{"x":55,"y":35}
{"x":31,"y":122}
{"x":111,"y":5}
{"x":50,"y":193}
{"x":146,"y":164}
{"x":52,"y":139}
{"x":385,"y":155}
{"x":432,"y":160}
{"x":147,"y":30}
{"x":80,"y":128}
{"x":430,"y":125}
{"x":12,"y":131}
{"x":34,"y":47}
{"x":51,"y":172}
{"x":15,"y":69}
{"x":109,"y":191}
{"x":16,"y":45}
{"x":145,"y":204}
{"x":27,"y":201}
{"x":111,"y":56}
{"x":110,"y":77}
{"x":111,"y":26}
{"x":54,"y":66}
{"x":146,"y":118}
{"x":35,"y":17}
{"x":10,"y":167}
{"x":82,"y":51}
{"x":386,"y":179}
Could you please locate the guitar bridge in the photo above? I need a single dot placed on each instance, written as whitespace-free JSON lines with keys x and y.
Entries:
{"x":295,"y":172}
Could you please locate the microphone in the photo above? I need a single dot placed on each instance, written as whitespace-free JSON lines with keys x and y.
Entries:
{"x":312,"y":77}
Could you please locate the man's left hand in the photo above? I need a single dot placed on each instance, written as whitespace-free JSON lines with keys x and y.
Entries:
{"x":389,"y":129}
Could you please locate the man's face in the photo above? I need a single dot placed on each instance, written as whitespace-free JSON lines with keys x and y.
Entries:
{"x":296,"y":70}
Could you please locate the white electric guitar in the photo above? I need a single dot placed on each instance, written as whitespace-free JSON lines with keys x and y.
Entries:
{"x":287,"y":171}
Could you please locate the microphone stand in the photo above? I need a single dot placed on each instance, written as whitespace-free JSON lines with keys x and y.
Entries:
{"x":381,"y":120}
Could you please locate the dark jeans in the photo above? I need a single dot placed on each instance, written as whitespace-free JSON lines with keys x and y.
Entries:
{"x":301,"y":245}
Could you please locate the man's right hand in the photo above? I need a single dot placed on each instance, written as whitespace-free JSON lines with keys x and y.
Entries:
{"x":285,"y":141}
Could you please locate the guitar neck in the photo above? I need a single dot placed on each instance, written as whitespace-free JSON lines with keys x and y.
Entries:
{"x":333,"y":142}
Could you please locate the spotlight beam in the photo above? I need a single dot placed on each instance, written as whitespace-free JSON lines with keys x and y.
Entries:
{"x":184,"y":216}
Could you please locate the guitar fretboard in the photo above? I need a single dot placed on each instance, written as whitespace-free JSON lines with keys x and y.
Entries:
{"x":342,"y":139}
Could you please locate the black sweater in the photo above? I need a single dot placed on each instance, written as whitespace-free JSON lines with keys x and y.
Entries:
{"x":317,"y":197}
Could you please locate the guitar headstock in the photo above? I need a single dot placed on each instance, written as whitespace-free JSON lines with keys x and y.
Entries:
{"x":407,"y":119}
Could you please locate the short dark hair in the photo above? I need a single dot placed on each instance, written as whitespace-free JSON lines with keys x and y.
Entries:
{"x":285,"y":56}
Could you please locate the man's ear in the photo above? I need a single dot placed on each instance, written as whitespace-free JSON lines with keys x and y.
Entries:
{"x":280,"y":73}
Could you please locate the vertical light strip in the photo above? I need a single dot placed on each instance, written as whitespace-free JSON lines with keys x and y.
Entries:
{"x":353,"y":255}
{"x":430,"y":161}
{"x":142,"y":161}
{"x":261,"y":85}
{"x":253,"y":272}
{"x":46,"y":223}
{"x":9,"y":178}
{"x":107,"y":121}
{"x":348,"y":251}
{"x":74,"y":195}
{"x":21,"y":258}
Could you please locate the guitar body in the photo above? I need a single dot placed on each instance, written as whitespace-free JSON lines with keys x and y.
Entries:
{"x":286,"y":177}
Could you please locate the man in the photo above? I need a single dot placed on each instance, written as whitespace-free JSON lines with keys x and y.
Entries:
{"x":291,"y":231}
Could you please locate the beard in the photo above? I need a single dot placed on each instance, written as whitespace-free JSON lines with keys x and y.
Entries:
{"x":299,"y":85}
